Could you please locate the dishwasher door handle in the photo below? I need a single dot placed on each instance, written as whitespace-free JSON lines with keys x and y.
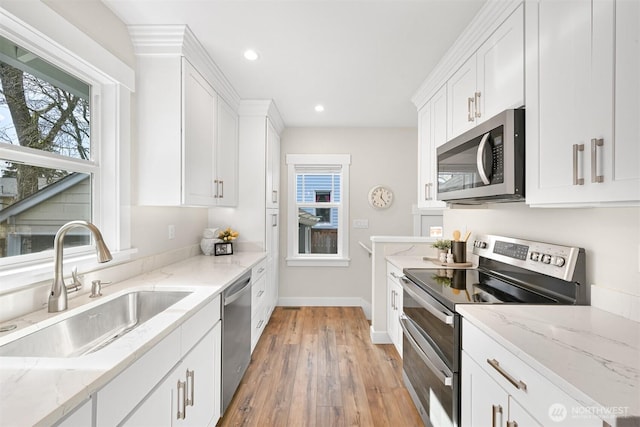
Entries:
{"x":237,"y":290}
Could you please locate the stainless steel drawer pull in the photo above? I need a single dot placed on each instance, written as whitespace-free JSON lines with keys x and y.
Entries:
{"x":516,"y":383}
{"x":512,"y":424}
{"x":190,"y":375}
{"x":476,"y":101}
{"x":495,"y":409}
{"x":260,"y":324}
{"x":274,"y":196}
{"x":260,"y":293}
{"x":577,"y":176}
{"x":469,"y":112}
{"x":596,"y":145}
{"x":427,"y":191}
{"x":181,"y":414}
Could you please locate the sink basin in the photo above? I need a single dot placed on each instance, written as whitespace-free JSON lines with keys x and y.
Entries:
{"x":95,"y":328}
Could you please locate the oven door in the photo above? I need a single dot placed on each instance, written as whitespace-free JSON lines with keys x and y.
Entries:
{"x":429,"y":332}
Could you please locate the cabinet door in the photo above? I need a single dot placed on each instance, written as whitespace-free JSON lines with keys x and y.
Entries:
{"x":432,"y":132}
{"x":226,"y":171}
{"x":519,"y":417}
{"x":461,"y":90}
{"x":483,"y":403}
{"x":273,"y":252}
{"x":272,"y":167}
{"x":80,"y":417}
{"x":199,"y":104}
{"x":500,"y":73}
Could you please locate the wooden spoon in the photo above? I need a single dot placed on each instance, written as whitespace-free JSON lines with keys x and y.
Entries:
{"x":456,"y":235}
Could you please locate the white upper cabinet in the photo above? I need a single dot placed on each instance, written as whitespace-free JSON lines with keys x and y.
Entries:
{"x":432,"y":132}
{"x":491,"y":80}
{"x":583,"y":102}
{"x":187,"y":140}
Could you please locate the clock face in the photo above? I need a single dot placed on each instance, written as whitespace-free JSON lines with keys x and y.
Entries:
{"x":380,"y":197}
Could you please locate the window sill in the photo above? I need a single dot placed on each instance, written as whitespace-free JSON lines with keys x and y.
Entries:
{"x":318,"y":262}
{"x":21,"y":276}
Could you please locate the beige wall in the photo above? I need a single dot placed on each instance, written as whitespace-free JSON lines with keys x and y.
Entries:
{"x":378,"y":156}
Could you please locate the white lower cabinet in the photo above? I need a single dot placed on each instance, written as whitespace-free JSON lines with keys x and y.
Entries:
{"x":176,"y":383}
{"x":80,"y":417}
{"x":499,"y":389}
{"x":394,"y":306}
{"x":259,"y":301}
{"x":190,"y":394}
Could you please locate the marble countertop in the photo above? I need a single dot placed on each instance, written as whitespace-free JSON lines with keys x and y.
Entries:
{"x":590,"y":354}
{"x":402,"y":262}
{"x":39,"y":391}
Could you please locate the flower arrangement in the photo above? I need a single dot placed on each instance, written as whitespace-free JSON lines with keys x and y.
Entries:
{"x":228,"y":235}
{"x":442,"y":244}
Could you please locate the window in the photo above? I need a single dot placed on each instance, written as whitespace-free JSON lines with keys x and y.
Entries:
{"x":73,"y":97}
{"x":46,"y":165}
{"x":318,"y":209}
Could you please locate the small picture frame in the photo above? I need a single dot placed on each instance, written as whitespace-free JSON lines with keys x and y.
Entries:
{"x":224,"y":248}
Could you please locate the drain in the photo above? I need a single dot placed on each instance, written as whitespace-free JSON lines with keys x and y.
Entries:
{"x":7,"y":328}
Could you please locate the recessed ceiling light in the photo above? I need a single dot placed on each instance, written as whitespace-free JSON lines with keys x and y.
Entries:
{"x":319,"y":108}
{"x":251,"y":55}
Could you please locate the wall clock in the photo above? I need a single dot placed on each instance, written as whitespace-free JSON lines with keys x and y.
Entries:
{"x":380,"y":197}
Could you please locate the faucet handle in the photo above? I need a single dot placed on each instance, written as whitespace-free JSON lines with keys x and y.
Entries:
{"x":77,"y":284}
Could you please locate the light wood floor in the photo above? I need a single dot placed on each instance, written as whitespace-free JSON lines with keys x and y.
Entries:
{"x":316,"y":366}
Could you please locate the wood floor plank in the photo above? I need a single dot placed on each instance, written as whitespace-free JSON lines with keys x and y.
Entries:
{"x":316,"y":366}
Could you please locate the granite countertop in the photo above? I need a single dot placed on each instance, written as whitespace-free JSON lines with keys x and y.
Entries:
{"x":590,"y":354}
{"x":39,"y":391}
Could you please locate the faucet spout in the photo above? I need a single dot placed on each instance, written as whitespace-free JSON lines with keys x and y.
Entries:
{"x":58,"y":295}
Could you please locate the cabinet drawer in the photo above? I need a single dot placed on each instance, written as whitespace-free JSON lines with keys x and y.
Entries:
{"x":258,"y":294}
{"x":258,"y":270}
{"x":527,"y":386}
{"x":195,"y":327}
{"x":124,"y":392}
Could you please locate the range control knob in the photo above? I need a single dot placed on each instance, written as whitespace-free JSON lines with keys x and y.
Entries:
{"x":480,"y":244}
{"x":558,"y":261}
{"x":546,"y":259}
{"x":535,"y":256}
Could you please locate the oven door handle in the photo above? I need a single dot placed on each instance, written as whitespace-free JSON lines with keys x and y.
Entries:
{"x":447,"y":380}
{"x":425,"y":302}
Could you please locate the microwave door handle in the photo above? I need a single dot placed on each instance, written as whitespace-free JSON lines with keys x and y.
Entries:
{"x":480,"y":159}
{"x":442,"y":376}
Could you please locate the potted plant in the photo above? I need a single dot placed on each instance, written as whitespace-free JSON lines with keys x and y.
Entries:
{"x":442,"y":245}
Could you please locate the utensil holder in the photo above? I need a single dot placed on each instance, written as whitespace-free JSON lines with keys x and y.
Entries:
{"x":459,"y":251}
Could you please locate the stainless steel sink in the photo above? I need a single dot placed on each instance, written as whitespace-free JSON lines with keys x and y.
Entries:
{"x":95,"y":328}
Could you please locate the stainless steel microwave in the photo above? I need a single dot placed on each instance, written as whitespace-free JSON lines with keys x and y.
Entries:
{"x":485,"y":164}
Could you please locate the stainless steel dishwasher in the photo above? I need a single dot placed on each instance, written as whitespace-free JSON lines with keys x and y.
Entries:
{"x":236,"y":335}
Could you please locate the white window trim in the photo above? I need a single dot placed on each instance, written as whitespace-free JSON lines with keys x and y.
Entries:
{"x":45,"y":33}
{"x":341,"y":259}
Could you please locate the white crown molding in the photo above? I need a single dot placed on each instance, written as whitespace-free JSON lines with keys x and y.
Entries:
{"x":488,"y":19}
{"x":180,"y":40}
{"x":262,"y":108}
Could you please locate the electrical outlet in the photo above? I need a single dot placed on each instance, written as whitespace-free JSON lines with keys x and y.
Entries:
{"x":360,"y":223}
{"x":172,"y":232}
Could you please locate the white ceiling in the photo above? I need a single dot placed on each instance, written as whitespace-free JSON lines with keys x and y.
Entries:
{"x":361,"y":59}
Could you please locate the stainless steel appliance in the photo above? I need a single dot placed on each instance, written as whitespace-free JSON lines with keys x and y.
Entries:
{"x":510,"y":271}
{"x":486,"y":163}
{"x":236,"y":335}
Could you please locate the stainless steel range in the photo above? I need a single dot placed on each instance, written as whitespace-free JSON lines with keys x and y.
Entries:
{"x":510,"y":271}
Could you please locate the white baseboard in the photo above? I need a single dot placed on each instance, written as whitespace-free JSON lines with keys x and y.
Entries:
{"x":326,"y":302}
{"x":379,"y":337}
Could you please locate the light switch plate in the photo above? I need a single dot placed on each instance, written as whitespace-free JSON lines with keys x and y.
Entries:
{"x":360,"y":223}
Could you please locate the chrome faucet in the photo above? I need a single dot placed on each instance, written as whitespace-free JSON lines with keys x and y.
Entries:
{"x":58,"y":295}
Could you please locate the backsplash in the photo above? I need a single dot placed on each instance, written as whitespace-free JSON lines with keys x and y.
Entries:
{"x":610,"y":237}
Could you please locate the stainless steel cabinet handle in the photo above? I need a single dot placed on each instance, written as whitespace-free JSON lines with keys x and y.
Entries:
{"x":476,"y":101}
{"x":260,"y":270}
{"x":393,"y":300}
{"x":181,"y":414}
{"x":190,"y":375}
{"x":274,"y":220}
{"x":395,"y":276}
{"x":221,"y":182}
{"x":495,"y":409}
{"x":427,"y":191}
{"x":216,"y":188}
{"x":512,"y":424}
{"x":260,"y":324}
{"x":274,"y":196}
{"x":577,"y":148}
{"x":469,"y":112}
{"x":516,"y":383}
{"x":596,"y":145}
{"x":260,"y":293}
